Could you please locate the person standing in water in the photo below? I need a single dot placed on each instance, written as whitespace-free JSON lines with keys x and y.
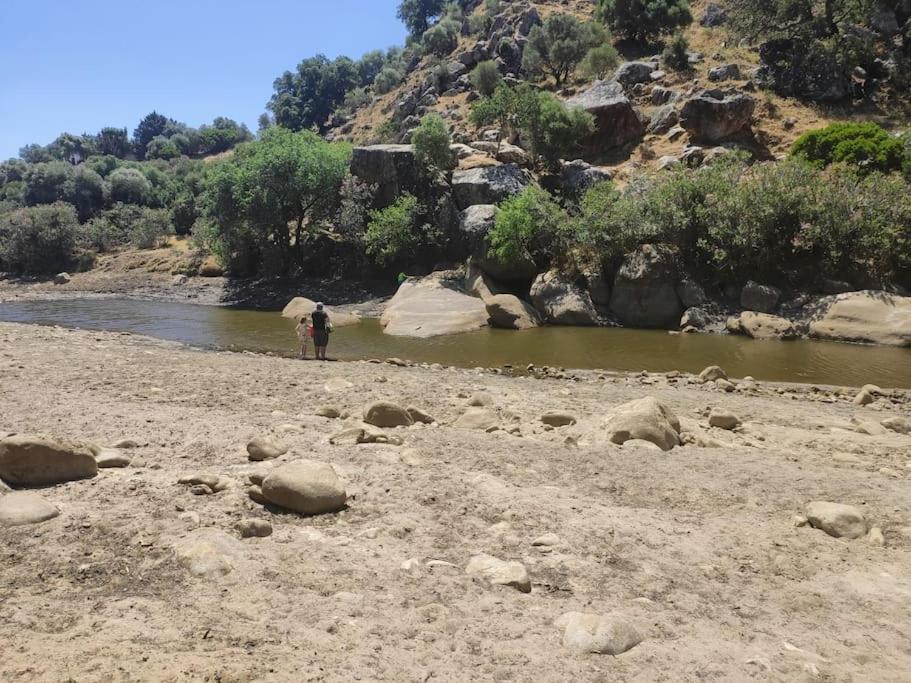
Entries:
{"x":321,"y":328}
{"x":304,"y":332}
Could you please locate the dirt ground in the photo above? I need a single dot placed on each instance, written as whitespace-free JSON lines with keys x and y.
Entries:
{"x":697,"y":548}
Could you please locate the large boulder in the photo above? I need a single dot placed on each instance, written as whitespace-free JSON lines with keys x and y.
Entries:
{"x":559,"y":302}
{"x":868,"y":317}
{"x":713,"y":16}
{"x":647,"y":419}
{"x":509,"y":312}
{"x":645,"y":288}
{"x":577,"y":176}
{"x":617,"y":122}
{"x":714,"y":117}
{"x":487,"y":185}
{"x":431,"y":306}
{"x":632,"y":73}
{"x":300,"y":305}
{"x":392,"y":168}
{"x":475,"y":223}
{"x":42,"y":461}
{"x":765,"y":326}
{"x":791,"y":70}
{"x":759,"y":298}
{"x":22,"y":508}
{"x":305,"y":486}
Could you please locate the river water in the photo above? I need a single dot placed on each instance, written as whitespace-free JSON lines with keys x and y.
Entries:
{"x":570,"y":347}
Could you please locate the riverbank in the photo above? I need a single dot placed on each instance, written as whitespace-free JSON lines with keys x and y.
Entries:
{"x":696,"y":548}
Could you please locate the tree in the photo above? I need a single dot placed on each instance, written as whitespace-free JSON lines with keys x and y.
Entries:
{"x":417,"y":14}
{"x":392,"y":231}
{"x":431,"y":141}
{"x":151,"y":126}
{"x":260,"y":201}
{"x":526,"y":224}
{"x":600,"y":61}
{"x":130,"y":186}
{"x":369,"y":66}
{"x":307,"y":97}
{"x":387,"y":79}
{"x":676,"y":54}
{"x":441,"y":39}
{"x":35,"y":154}
{"x":46,"y":183}
{"x":795,"y":18}
{"x":113,"y":141}
{"x":38,"y":239}
{"x":161,"y":147}
{"x":643,"y":20}
{"x":558,"y":45}
{"x":486,"y":77}
{"x":85,"y":190}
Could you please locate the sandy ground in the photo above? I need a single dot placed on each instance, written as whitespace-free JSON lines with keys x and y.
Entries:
{"x":697,"y":547}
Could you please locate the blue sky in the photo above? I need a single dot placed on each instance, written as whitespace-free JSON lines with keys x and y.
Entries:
{"x":77,"y":66}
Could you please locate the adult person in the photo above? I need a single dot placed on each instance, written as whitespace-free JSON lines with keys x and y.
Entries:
{"x":321,"y":328}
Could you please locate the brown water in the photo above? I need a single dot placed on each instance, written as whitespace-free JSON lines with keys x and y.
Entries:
{"x":570,"y":347}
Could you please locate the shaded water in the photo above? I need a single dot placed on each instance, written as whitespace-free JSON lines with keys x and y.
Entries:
{"x":571,"y":347}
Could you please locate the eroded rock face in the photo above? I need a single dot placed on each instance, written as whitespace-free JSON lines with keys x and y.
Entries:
{"x":487,"y":185}
{"x":392,"y":168}
{"x":759,"y":298}
{"x":41,"y":461}
{"x":428,"y":307}
{"x":617,"y":122}
{"x":713,"y":117}
{"x":867,"y":317}
{"x":305,"y":486}
{"x":647,"y":419}
{"x":645,"y":289}
{"x":559,"y":302}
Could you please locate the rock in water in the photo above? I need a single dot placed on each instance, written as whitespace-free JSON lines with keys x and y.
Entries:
{"x":645,"y":288}
{"x":265,"y":448}
{"x":840,"y":521}
{"x":25,"y":508}
{"x":208,"y":553}
{"x":40,"y":461}
{"x":478,"y":418}
{"x":385,"y":414}
{"x":759,"y":298}
{"x":305,"y":486}
{"x":766,"y":326}
{"x":299,"y":306}
{"x":597,"y":634}
{"x":509,"y":312}
{"x":430,"y":307}
{"x":559,"y":302}
{"x":867,"y":317}
{"x":647,"y":419}
{"x":500,"y":572}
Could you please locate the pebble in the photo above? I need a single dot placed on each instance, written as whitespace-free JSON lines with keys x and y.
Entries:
{"x":547,"y":540}
{"x":875,"y":537}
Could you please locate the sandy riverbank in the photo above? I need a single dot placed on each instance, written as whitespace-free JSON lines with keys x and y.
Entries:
{"x":696,"y":548}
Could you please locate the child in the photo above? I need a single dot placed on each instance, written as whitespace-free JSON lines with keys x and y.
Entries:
{"x":304,"y":332}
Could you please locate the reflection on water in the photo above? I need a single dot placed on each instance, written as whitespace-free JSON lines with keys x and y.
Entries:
{"x":610,"y":349}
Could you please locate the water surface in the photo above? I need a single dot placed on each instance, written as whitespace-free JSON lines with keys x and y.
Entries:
{"x":570,"y":347}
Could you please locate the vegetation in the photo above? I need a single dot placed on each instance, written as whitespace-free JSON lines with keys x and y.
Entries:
{"x":600,"y":61}
{"x":431,"y":140}
{"x":559,"y":44}
{"x":527,"y":224}
{"x":392,"y":232}
{"x":866,"y":146}
{"x":442,"y":38}
{"x":38,"y":239}
{"x":418,"y":14}
{"x":307,"y":97}
{"x":676,"y":54}
{"x":644,"y":20}
{"x":486,"y":77}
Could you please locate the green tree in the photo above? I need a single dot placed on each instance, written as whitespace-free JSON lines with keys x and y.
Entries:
{"x":387,"y":79}
{"x":113,"y":141}
{"x":442,"y":38}
{"x":151,"y":126}
{"x":417,"y":14}
{"x":161,"y":147}
{"x":795,"y":18}
{"x":643,"y":20}
{"x":85,"y":190}
{"x":38,"y":239}
{"x":486,"y":77}
{"x":676,"y":54}
{"x":558,"y":45}
{"x":307,"y":97}
{"x":46,"y":183}
{"x":600,"y":61}
{"x":393,"y":231}
{"x":130,"y":186}
{"x":369,"y":67}
{"x":431,"y":140}
{"x":529,"y":223}
{"x":260,"y":201}
{"x":150,"y":228}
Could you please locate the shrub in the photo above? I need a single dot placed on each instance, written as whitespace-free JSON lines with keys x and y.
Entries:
{"x":529,"y":223}
{"x":441,"y":39}
{"x":392,"y":231}
{"x":45,"y":182}
{"x":486,"y":77}
{"x":645,"y":19}
{"x":357,"y":98}
{"x":600,"y":61}
{"x":431,"y":141}
{"x":864,"y":145}
{"x":386,"y":80}
{"x":558,"y":45}
{"x":38,"y":239}
{"x":676,"y":53}
{"x":130,"y":186}
{"x":152,"y":225}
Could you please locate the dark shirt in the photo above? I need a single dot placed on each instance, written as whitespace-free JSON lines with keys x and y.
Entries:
{"x":319,"y":319}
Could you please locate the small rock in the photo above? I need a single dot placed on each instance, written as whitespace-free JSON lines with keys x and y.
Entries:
{"x":410,"y":565}
{"x":20,"y":508}
{"x":201,"y":490}
{"x":547,"y":540}
{"x":385,"y":414}
{"x":712,"y":374}
{"x":499,"y":572}
{"x":305,"y":486}
{"x":901,"y":425}
{"x":725,"y":385}
{"x":112,"y":457}
{"x":864,"y":398}
{"x":328,"y":412}
{"x":418,"y":415}
{"x":558,"y":419}
{"x":478,"y":418}
{"x":723,"y":419}
{"x":597,"y":634}
{"x":127,"y":444}
{"x":62,"y":279}
{"x":875,"y":537}
{"x":647,"y":419}
{"x":265,"y":448}
{"x":840,"y":521}
{"x":481,"y":400}
{"x":200,"y":479}
{"x":254,"y":528}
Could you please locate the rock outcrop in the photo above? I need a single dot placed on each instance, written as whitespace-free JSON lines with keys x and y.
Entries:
{"x":392,"y":168}
{"x":617,"y":122}
{"x":559,"y":302}
{"x":42,"y":461}
{"x":487,"y":185}
{"x":714,"y":117}
{"x":866,"y":317}
{"x":759,"y":298}
{"x":645,"y":288}
{"x":429,"y":307}
{"x":765,"y":326}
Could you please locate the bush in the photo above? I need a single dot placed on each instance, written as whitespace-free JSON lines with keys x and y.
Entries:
{"x":600,"y":61}
{"x":386,"y":80}
{"x":676,"y":55}
{"x":38,"y":239}
{"x":558,"y":45}
{"x":643,"y":20}
{"x":152,"y":225}
{"x":441,"y":39}
{"x":431,"y":141}
{"x":864,"y":145}
{"x":392,"y":231}
{"x":529,"y":223}
{"x":486,"y":77}
{"x":130,"y":186}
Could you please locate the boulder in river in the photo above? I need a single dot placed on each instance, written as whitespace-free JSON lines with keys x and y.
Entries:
{"x":305,"y":486}
{"x":559,"y":302}
{"x":647,"y":419}
{"x":431,"y":306}
{"x":766,"y":326}
{"x":645,"y":288}
{"x":300,"y":306}
{"x":509,"y":312}
{"x":40,"y":461}
{"x":868,"y":317}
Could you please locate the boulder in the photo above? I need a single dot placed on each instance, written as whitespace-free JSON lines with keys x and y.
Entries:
{"x":385,"y":414}
{"x":645,"y":288}
{"x":765,"y":326}
{"x":597,"y":634}
{"x":420,"y":416}
{"x":528,"y":20}
{"x":791,"y":70}
{"x":480,"y":284}
{"x":305,"y":486}
{"x":62,"y":279}
{"x":208,"y":553}
{"x":265,"y":448}
{"x":697,"y":318}
{"x":867,"y":317}
{"x":900,"y":425}
{"x":723,"y":419}
{"x":577,"y":176}
{"x":712,"y":374}
{"x":41,"y":461}
{"x":509,"y":312}
{"x":599,"y":288}
{"x":512,"y":154}
{"x":475,"y":223}
{"x":759,"y":298}
{"x":20,"y":508}
{"x":300,"y":306}
{"x":840,"y":521}
{"x":499,"y":572}
{"x":559,"y":302}
{"x":631,"y":73}
{"x":112,"y":457}
{"x":617,"y":122}
{"x":647,"y":419}
{"x":713,"y":117}
{"x":432,"y":306}
{"x":487,"y":185}
{"x":728,"y":72}
{"x":663,"y":119}
{"x":691,"y":293}
{"x":392,"y":168}
{"x":254,"y":528}
{"x":478,"y":418}
{"x":713,"y":16}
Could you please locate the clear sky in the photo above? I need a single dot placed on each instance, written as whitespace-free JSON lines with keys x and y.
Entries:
{"x":77,"y":65}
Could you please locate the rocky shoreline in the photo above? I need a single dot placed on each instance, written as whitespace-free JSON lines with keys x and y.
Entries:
{"x":511,"y":527}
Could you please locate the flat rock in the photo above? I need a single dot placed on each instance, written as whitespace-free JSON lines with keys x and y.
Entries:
{"x":557,"y":419}
{"x":478,"y":418}
{"x":597,"y":634}
{"x":208,"y":553}
{"x":265,"y":448}
{"x":22,"y":508}
{"x":430,"y":307}
{"x":647,"y":419}
{"x":840,"y":521}
{"x":305,"y":486}
{"x":40,"y":461}
{"x":868,"y":317}
{"x":112,"y":457}
{"x":500,"y":572}
{"x":723,"y":419}
{"x":386,"y":414}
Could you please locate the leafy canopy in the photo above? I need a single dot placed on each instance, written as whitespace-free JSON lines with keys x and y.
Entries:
{"x":305,"y":98}
{"x":864,"y":145}
{"x":431,"y":141}
{"x":558,"y":45}
{"x":643,"y":20}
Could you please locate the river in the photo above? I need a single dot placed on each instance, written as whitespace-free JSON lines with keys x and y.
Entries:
{"x":570,"y":347}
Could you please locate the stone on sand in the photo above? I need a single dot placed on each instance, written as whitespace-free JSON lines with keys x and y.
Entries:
{"x":208,"y":553}
{"x":364,"y":433}
{"x":386,"y":414}
{"x":21,"y":508}
{"x":723,"y":419}
{"x":875,"y":537}
{"x":254,"y":528}
{"x":420,"y":416}
{"x":597,"y":634}
{"x":864,"y":398}
{"x":900,"y":425}
{"x":481,"y":399}
{"x":836,"y":519}
{"x":647,"y":419}
{"x":500,"y":572}
{"x":478,"y":418}
{"x":112,"y":457}
{"x":305,"y":486}
{"x":557,"y":419}
{"x":40,"y":461}
{"x":328,"y":412}
{"x":712,"y":373}
{"x":255,"y":493}
{"x":265,"y":448}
